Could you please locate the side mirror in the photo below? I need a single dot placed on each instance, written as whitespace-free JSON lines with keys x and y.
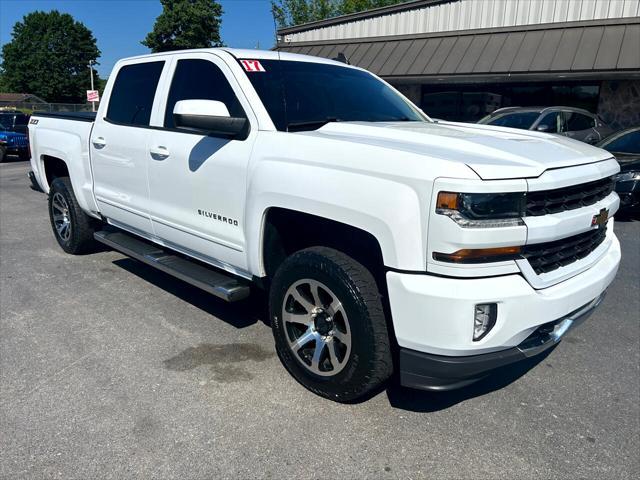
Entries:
{"x":544,"y":128}
{"x":208,"y":117}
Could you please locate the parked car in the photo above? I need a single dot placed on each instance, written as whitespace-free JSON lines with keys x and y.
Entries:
{"x":386,"y":241}
{"x":625,"y":145}
{"x":568,"y":121}
{"x":13,"y":138}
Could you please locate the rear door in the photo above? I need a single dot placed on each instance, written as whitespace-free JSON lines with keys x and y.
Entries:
{"x":119,"y":146}
{"x":198,"y":182}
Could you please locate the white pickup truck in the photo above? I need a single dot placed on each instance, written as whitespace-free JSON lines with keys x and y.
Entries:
{"x":388,"y":242}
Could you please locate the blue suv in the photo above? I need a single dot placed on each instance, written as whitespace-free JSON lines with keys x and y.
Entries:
{"x":13,"y":135}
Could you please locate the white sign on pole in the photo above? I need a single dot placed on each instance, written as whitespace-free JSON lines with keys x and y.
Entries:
{"x":93,"y":96}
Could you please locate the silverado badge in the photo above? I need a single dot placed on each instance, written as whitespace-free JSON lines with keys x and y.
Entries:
{"x":601,"y":218}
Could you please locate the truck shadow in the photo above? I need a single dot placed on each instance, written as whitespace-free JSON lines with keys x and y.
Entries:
{"x":239,"y":314}
{"x":255,"y":309}
{"x":424,"y":401}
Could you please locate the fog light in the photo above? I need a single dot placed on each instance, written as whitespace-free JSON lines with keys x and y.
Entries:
{"x":484,"y":319}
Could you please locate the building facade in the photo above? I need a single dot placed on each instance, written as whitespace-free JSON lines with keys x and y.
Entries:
{"x":462,"y":59}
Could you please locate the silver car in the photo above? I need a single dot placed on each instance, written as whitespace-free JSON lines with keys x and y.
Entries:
{"x":568,"y":121}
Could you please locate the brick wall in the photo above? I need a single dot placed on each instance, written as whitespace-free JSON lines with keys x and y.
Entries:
{"x":619,"y":104}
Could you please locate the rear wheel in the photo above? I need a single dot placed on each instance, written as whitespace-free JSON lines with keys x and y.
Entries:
{"x":329,"y":324}
{"x":3,"y":154}
{"x":72,"y":227}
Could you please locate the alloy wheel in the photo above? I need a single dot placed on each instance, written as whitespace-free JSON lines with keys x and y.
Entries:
{"x":317,"y":327}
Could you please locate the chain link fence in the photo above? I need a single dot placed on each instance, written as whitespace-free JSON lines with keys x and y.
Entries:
{"x":29,"y":107}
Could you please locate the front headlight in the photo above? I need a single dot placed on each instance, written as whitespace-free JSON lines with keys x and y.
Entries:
{"x":627,"y":176}
{"x":482,"y":210}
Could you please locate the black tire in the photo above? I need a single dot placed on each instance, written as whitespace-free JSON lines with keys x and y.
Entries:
{"x":3,"y":154}
{"x":369,"y":363}
{"x":80,"y":237}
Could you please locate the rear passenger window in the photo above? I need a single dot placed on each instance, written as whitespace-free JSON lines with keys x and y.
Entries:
{"x":133,"y":92}
{"x":578,"y":121}
{"x":196,"y":79}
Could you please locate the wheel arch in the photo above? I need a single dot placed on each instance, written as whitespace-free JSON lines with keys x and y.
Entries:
{"x":285,"y":231}
{"x":53,"y":167}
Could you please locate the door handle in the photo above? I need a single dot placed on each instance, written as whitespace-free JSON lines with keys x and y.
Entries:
{"x":159,"y":152}
{"x":99,"y":142}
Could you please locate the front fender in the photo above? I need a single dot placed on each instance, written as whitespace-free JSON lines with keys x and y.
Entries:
{"x":386,"y":208}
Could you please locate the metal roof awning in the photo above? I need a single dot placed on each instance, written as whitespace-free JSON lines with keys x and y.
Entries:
{"x":578,"y":50}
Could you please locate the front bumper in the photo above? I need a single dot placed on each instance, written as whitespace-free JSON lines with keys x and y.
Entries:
{"x":425,"y":371}
{"x":629,"y":193}
{"x":433,"y":319}
{"x":15,"y":149}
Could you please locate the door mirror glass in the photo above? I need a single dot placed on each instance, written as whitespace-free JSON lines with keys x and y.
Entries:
{"x":543,"y":127}
{"x":208,"y":117}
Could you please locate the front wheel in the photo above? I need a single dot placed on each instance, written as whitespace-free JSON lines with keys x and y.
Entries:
{"x":72,"y":227}
{"x":329,"y":325}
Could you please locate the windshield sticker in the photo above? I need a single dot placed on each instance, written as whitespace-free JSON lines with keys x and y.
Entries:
{"x":252,"y":66}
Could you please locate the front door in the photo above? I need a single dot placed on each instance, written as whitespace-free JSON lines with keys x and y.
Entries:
{"x":581,"y":127}
{"x":198,"y":182}
{"x":119,"y":147}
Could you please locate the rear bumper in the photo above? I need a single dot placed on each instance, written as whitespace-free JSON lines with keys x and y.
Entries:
{"x":426,"y":371}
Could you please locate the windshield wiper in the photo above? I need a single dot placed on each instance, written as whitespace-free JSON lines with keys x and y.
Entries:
{"x":312,"y":124}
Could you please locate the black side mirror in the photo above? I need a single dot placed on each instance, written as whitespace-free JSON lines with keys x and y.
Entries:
{"x":544,"y":128}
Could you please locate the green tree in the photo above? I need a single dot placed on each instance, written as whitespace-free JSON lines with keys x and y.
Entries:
{"x":295,"y":12}
{"x":48,"y":56}
{"x":353,"y":6}
{"x":186,"y":24}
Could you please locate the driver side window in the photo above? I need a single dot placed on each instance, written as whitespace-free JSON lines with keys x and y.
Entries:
{"x":196,"y":79}
{"x":555,"y":122}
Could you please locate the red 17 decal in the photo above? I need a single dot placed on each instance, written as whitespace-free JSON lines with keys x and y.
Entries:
{"x":252,"y":66}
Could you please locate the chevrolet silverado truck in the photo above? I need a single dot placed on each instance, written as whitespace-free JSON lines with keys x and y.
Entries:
{"x":388,"y":243}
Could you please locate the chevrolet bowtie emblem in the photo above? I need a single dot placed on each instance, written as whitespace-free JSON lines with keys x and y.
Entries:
{"x":601,"y":218}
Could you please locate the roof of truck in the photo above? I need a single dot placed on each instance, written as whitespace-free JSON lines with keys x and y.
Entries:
{"x":240,"y":53}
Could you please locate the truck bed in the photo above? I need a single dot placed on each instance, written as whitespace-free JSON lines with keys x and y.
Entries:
{"x":78,"y":116}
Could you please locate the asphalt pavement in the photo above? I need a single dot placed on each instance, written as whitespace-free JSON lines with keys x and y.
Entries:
{"x":110,"y":369}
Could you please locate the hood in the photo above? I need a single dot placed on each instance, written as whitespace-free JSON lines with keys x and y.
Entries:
{"x":627,"y":160}
{"x":628,"y":163}
{"x":492,"y":152}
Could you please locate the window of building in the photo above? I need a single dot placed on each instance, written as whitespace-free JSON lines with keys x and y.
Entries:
{"x":133,"y":92}
{"x":201,"y":80}
{"x":471,"y":102}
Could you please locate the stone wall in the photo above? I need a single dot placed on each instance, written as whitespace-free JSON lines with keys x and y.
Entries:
{"x":619,"y":104}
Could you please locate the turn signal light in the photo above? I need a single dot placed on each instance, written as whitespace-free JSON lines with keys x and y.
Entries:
{"x":447,"y":200}
{"x":479,"y":255}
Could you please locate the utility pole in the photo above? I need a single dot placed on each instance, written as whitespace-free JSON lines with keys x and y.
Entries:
{"x":93,"y":104}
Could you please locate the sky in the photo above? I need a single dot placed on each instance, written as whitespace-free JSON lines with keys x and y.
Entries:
{"x":120,"y":25}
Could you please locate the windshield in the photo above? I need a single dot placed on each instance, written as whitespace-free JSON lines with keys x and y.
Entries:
{"x":627,"y":143}
{"x":306,"y":95}
{"x":522,"y":120}
{"x":21,"y":119}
